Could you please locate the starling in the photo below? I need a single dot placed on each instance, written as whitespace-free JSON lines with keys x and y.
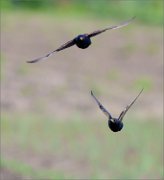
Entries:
{"x":82,"y":41}
{"x":115,"y":124}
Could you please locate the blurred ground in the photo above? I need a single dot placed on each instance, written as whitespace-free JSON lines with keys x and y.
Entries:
{"x":116,"y":66}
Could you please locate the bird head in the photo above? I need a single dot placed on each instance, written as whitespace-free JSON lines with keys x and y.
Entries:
{"x":115,"y":124}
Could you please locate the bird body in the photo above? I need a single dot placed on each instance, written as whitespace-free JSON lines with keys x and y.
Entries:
{"x":115,"y":124}
{"x":82,"y":41}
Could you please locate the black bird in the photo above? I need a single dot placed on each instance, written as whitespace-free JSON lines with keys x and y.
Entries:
{"x":82,"y":41}
{"x":115,"y":124}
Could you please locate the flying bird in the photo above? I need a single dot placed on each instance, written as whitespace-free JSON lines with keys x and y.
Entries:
{"x":115,"y":124}
{"x":82,"y":41}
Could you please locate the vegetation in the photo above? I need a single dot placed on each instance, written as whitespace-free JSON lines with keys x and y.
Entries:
{"x":84,"y":143}
{"x":150,"y":12}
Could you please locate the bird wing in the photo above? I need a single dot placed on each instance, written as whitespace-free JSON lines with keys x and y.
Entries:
{"x":110,"y":27}
{"x":101,"y":107}
{"x":64,"y":46}
{"x":122,"y":114}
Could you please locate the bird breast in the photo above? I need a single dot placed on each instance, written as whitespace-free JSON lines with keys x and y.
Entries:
{"x":82,"y":41}
{"x":115,"y":126}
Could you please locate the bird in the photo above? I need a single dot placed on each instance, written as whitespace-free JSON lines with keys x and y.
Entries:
{"x":82,"y":41}
{"x":115,"y":124}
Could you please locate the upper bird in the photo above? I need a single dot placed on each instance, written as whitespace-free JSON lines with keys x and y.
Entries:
{"x":115,"y":124}
{"x":82,"y":41}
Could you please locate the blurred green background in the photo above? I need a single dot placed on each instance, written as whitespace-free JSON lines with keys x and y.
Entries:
{"x":149,"y":12}
{"x":50,"y":126}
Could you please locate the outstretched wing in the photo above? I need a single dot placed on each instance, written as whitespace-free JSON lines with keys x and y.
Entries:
{"x":64,"y":46}
{"x":111,"y":27}
{"x":122,"y":114}
{"x":101,"y":107}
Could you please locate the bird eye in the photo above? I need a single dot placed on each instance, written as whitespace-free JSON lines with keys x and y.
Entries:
{"x":81,"y":38}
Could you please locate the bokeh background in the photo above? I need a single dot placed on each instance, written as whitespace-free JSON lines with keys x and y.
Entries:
{"x":50,"y":126}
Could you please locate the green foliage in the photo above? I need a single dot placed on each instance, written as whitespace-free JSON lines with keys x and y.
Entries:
{"x":146,"y":11}
{"x":25,"y":4}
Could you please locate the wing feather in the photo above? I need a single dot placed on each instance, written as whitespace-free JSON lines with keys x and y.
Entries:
{"x":101,"y":107}
{"x":111,"y":27}
{"x":122,"y":114}
{"x":64,"y":46}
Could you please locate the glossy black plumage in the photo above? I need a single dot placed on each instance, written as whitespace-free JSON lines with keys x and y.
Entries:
{"x":82,"y":41}
{"x":115,"y":124}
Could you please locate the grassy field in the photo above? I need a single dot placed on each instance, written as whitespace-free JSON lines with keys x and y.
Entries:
{"x":39,"y":147}
{"x":50,"y":126}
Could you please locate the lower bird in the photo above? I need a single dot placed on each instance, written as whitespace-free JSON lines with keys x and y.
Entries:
{"x":115,"y":124}
{"x":82,"y":41}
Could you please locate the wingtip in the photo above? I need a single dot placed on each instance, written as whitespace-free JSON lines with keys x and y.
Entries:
{"x":130,"y":20}
{"x":91,"y":93}
{"x":141,"y":90}
{"x":30,"y":61}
